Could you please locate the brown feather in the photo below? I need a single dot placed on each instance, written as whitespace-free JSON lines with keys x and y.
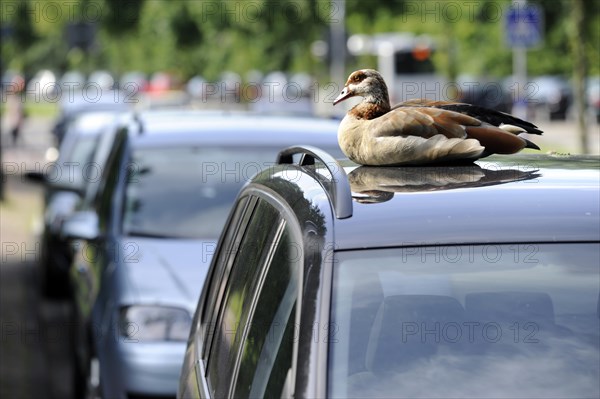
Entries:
{"x":496,"y":140}
{"x":422,"y":102}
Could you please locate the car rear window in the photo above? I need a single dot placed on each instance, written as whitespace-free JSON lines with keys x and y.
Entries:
{"x":481,"y":321}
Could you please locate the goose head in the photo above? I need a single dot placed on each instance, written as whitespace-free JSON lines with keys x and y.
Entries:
{"x":366,"y":83}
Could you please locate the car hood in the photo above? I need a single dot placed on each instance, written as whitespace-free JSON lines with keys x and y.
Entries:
{"x":165,"y":271}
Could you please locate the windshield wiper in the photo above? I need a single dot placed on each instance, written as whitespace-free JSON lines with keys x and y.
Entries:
{"x":147,"y":234}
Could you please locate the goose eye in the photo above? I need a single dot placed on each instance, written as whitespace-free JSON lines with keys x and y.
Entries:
{"x":358,"y":77}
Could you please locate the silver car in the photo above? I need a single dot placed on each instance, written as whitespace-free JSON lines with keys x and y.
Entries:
{"x":144,"y":247}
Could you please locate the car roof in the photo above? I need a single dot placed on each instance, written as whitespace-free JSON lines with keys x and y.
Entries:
{"x":501,"y":199}
{"x":232,"y":128}
{"x":518,"y":199}
{"x":95,"y":99}
{"x":92,"y":123}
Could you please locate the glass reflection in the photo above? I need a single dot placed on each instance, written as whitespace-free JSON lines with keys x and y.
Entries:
{"x":187,"y":192}
{"x":467,"y":321}
{"x":371,"y":184}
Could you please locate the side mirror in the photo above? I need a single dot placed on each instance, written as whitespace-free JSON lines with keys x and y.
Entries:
{"x":81,"y":225}
{"x":36,"y":177}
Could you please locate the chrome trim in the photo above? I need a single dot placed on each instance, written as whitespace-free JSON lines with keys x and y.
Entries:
{"x":339,"y":193}
{"x":201,"y":380}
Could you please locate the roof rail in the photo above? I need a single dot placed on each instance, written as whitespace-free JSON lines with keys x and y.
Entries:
{"x":339,"y":193}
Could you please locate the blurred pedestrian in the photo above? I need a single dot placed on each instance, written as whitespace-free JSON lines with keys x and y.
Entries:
{"x":15,"y":107}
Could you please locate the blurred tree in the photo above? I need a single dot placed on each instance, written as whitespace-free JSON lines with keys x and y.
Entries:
{"x":186,"y":31}
{"x":23,"y":31}
{"x":209,"y":37}
{"x":121,"y":16}
{"x":576,"y":35}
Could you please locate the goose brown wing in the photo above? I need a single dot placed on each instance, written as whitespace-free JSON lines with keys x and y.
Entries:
{"x":429,"y":121}
{"x":486,"y":115}
{"x":492,"y":116}
{"x":422,"y":102}
{"x":421,"y":121}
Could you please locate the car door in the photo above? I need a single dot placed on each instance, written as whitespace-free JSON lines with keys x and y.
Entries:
{"x":252,"y":305}
{"x":93,"y":256}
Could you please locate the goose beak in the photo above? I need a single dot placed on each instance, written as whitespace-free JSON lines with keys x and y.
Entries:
{"x":343,"y":95}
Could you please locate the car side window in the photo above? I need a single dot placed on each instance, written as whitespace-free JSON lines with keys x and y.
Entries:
{"x":235,"y":305}
{"x":104,"y":199}
{"x":238,"y":220}
{"x":268,"y":347}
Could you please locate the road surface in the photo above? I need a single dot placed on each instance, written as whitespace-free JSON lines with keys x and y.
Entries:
{"x":34,"y":340}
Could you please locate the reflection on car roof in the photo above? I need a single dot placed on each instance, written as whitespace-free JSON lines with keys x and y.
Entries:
{"x":498,"y":200}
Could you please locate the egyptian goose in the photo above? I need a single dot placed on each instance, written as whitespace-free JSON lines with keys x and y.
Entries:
{"x":422,"y":131}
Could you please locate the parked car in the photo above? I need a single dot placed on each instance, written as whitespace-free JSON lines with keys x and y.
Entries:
{"x":42,"y":86}
{"x":333,"y":280}
{"x":553,"y":95}
{"x":548,"y":97}
{"x":92,"y":99}
{"x":11,"y":82}
{"x":593,"y":96}
{"x":81,"y":158}
{"x":145,"y":245}
{"x":133,"y":82}
{"x":484,"y":93}
{"x":71,"y":81}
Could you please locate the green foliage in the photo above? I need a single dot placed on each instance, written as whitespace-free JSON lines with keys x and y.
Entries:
{"x":24,"y":35}
{"x":208,"y":37}
{"x":121,"y":16}
{"x":186,"y":31}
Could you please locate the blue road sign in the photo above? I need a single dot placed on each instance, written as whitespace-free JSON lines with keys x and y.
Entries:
{"x":524,"y":26}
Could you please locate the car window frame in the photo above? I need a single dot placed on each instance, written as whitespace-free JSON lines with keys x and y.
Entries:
{"x":213,"y":300}
{"x":200,"y":331}
{"x":112,"y":176}
{"x":283,"y":225}
{"x":286,"y":218}
{"x":232,"y":258}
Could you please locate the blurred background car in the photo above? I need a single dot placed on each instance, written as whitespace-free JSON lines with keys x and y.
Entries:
{"x":11,"y":80}
{"x":79,"y":161}
{"x":89,"y":99}
{"x":552,"y":96}
{"x":43,"y":85}
{"x":484,"y":93}
{"x":102,"y":79}
{"x":593,"y":96}
{"x":72,"y":81}
{"x":548,"y":97}
{"x":133,"y":82}
{"x":145,"y":243}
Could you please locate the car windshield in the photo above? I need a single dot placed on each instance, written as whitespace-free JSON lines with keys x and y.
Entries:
{"x":83,"y":150}
{"x":481,"y":321}
{"x":73,"y":165}
{"x":187,"y":192}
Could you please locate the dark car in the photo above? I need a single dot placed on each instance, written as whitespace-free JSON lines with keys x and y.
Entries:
{"x":73,"y":175}
{"x":548,"y":97}
{"x":333,"y":280}
{"x":147,"y":239}
{"x":484,"y":93}
{"x":552,"y":96}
